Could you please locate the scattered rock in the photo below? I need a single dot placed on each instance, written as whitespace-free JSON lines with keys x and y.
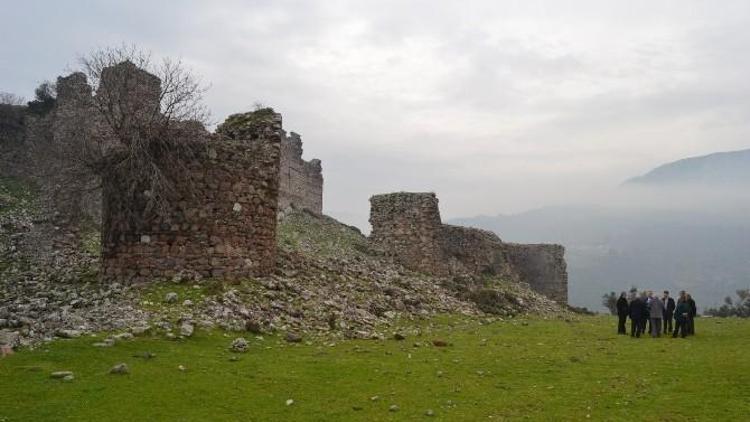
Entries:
{"x":186,"y":329}
{"x":187,"y":302}
{"x":181,"y":368}
{"x":140,"y":330}
{"x":429,"y":412}
{"x":289,"y":402}
{"x":439,"y":343}
{"x":108,"y":342}
{"x":253,"y":326}
{"x":9,"y":338}
{"x":61,"y":374}
{"x":399,"y":337}
{"x":293,"y":337}
{"x":68,"y":333}
{"x":328,"y":281}
{"x":144,"y":355}
{"x":393,"y":408}
{"x":123,"y":336}
{"x":239,"y":345}
{"x":120,"y":369}
{"x":68,"y":378}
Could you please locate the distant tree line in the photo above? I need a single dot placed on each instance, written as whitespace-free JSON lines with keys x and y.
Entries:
{"x":737,"y":308}
{"x":44,"y":99}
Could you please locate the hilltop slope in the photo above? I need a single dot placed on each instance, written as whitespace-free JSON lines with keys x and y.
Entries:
{"x":328,"y":283}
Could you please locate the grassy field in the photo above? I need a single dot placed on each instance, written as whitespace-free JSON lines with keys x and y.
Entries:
{"x":507,"y":370}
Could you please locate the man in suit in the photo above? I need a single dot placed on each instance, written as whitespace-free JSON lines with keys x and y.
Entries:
{"x":647,"y":297}
{"x":680,"y":317}
{"x":693,"y":310}
{"x":669,"y":307}
{"x":637,"y":306}
{"x":622,"y":313}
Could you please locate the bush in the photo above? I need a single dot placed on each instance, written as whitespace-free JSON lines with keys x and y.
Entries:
{"x":45,"y":97}
{"x":493,"y":301}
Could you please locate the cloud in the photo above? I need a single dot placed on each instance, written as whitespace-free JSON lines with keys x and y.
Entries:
{"x":498,"y":107}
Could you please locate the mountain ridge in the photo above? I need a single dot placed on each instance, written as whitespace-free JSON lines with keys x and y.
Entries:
{"x":719,"y":168}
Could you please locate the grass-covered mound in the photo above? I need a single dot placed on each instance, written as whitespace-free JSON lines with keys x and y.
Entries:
{"x":504,"y":370}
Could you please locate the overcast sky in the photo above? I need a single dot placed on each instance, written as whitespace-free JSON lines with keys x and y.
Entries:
{"x":498,"y":106}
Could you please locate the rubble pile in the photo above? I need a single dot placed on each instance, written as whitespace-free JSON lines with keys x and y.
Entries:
{"x":329,"y":282}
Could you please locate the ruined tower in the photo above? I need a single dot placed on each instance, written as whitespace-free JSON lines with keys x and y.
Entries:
{"x":407,"y":226}
{"x":301,"y":183}
{"x":222,"y":220}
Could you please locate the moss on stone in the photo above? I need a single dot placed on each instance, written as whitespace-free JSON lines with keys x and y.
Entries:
{"x":246,"y":125}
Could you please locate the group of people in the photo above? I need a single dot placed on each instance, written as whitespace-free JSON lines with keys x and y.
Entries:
{"x":648,"y":309}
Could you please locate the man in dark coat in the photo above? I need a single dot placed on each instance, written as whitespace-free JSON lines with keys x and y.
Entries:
{"x":637,"y":309}
{"x":622,"y":313}
{"x":669,"y":307}
{"x":680,"y":317}
{"x":646,"y":318}
{"x":692,"y":311}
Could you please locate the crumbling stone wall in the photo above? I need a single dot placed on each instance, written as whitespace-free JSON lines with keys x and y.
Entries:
{"x":543,"y":267}
{"x":222,"y":226}
{"x":75,"y":121}
{"x":221,"y":220}
{"x":301,"y":184}
{"x":407,"y":226}
{"x":474,"y":251}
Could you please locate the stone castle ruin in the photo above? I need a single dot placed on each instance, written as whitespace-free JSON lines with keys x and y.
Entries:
{"x":301,"y":182}
{"x":407,"y":226}
{"x":222,"y":220}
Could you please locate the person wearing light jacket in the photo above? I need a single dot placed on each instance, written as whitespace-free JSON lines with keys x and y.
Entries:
{"x":656,"y":311}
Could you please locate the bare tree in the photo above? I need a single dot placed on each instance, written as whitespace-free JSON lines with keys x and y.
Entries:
{"x":8,"y":98}
{"x":153,"y":121}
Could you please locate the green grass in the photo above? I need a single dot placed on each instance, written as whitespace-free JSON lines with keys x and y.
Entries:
{"x":512,"y":370}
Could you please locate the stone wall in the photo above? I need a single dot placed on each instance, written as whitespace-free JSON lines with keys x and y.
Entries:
{"x":407,"y":226}
{"x":474,"y":251}
{"x":543,"y":267}
{"x":301,"y":183}
{"x":77,"y":130}
{"x":222,"y":226}
{"x":220,"y":217}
